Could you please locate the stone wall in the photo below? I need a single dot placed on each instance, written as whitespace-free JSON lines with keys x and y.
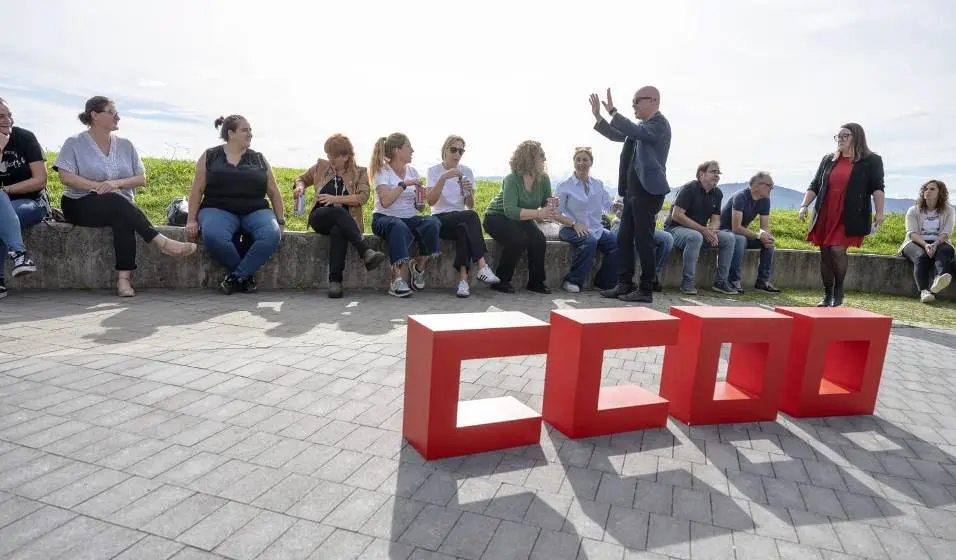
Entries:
{"x":82,"y":258}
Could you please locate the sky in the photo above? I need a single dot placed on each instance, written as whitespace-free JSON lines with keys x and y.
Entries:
{"x":756,"y":85}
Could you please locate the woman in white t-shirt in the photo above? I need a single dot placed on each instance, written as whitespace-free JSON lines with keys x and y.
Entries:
{"x":399,"y":196}
{"x":451,"y":194}
{"x":928,"y":244}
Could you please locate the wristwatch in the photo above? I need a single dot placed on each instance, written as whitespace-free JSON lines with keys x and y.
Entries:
{"x":402,"y":184}
{"x":280,"y":221}
{"x":612,"y":111}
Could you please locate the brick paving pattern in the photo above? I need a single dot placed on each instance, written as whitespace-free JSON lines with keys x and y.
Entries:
{"x":191,"y":425}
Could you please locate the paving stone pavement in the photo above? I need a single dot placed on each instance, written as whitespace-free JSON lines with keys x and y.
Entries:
{"x":191,"y":425}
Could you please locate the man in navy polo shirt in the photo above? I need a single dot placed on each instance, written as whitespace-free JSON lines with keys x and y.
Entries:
{"x":738,"y":212}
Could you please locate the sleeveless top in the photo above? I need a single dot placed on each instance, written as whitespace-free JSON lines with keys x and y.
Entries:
{"x":240,"y":189}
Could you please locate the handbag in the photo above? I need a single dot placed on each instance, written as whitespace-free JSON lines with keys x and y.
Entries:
{"x":177,"y":212}
{"x":551,"y":230}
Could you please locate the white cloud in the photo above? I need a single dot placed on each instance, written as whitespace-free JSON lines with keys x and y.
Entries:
{"x":754,"y":84}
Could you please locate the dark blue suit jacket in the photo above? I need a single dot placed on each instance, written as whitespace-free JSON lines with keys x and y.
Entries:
{"x":646,"y":146}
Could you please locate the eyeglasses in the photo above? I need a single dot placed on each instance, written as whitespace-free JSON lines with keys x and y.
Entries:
{"x":841,"y":136}
{"x":455,"y":150}
{"x":111,"y":111}
{"x":768,"y":185}
{"x":639,"y":99}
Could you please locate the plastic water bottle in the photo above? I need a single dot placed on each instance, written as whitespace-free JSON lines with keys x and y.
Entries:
{"x":300,"y":204}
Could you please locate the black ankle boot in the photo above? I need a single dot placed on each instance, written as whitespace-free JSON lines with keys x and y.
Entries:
{"x":837,"y":297}
{"x":827,"y":300}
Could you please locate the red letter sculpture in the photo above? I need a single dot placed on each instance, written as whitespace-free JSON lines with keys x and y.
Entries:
{"x":435,"y":422}
{"x":836,"y":361}
{"x":574,"y":401}
{"x":759,"y":342}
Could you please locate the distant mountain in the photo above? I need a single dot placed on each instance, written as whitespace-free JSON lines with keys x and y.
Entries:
{"x":783,"y":198}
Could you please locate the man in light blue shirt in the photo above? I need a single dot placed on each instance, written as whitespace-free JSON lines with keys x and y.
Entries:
{"x":583,"y":200}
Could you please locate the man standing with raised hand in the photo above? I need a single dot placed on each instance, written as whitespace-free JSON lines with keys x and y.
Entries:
{"x":642,"y":181}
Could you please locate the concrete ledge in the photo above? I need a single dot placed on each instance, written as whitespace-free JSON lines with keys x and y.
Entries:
{"x":82,"y":258}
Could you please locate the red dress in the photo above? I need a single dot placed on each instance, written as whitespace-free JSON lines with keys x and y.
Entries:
{"x":829,"y":229}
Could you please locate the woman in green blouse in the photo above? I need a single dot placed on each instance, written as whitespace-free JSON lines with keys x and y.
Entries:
{"x":510,"y":218}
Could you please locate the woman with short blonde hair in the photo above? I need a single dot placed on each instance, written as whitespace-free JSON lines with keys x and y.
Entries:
{"x":451,"y":194}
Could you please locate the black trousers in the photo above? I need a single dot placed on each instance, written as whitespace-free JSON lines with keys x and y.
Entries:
{"x":464,"y":228}
{"x":337,"y":223}
{"x":516,"y":237}
{"x":638,"y":221}
{"x":923,"y":265}
{"x":114,"y":211}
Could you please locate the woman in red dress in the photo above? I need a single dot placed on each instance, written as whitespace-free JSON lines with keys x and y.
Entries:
{"x":842,"y":187}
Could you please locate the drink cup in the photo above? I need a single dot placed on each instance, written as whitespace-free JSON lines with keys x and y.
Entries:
{"x":465,"y":185}
{"x":419,"y":196}
{"x":552,"y":203}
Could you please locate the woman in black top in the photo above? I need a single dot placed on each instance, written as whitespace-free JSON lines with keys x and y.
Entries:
{"x":845,"y":181}
{"x":228,"y":199}
{"x":22,"y":192}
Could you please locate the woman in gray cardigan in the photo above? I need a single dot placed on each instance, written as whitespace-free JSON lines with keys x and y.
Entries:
{"x":928,"y":244}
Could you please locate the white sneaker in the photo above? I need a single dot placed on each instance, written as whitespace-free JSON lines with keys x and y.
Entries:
{"x":399,"y":288}
{"x":416,"y":276}
{"x":941,"y":282}
{"x":927,"y":296}
{"x":571,"y":288}
{"x":463,"y":289}
{"x":487,"y":276}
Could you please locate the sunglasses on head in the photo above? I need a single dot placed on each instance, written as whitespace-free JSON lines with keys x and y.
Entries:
{"x":455,"y":150}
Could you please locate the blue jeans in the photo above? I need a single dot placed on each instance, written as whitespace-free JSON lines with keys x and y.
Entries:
{"x":16,"y":214}
{"x":741,"y":244}
{"x":585,"y":247}
{"x":220,"y":230}
{"x":399,"y":233}
{"x":690,"y":241}
{"x":663,"y":243}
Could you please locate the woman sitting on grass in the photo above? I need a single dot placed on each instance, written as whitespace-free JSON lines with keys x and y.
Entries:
{"x":100,"y":172}
{"x":928,"y":243}
{"x":228,"y":198}
{"x":399,"y":195}
{"x":451,"y":194}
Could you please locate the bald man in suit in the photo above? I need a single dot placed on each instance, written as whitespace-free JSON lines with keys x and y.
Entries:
{"x":642,"y":181}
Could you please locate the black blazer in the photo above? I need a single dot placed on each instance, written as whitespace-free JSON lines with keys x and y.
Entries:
{"x":865,"y":179}
{"x":653,"y":142}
